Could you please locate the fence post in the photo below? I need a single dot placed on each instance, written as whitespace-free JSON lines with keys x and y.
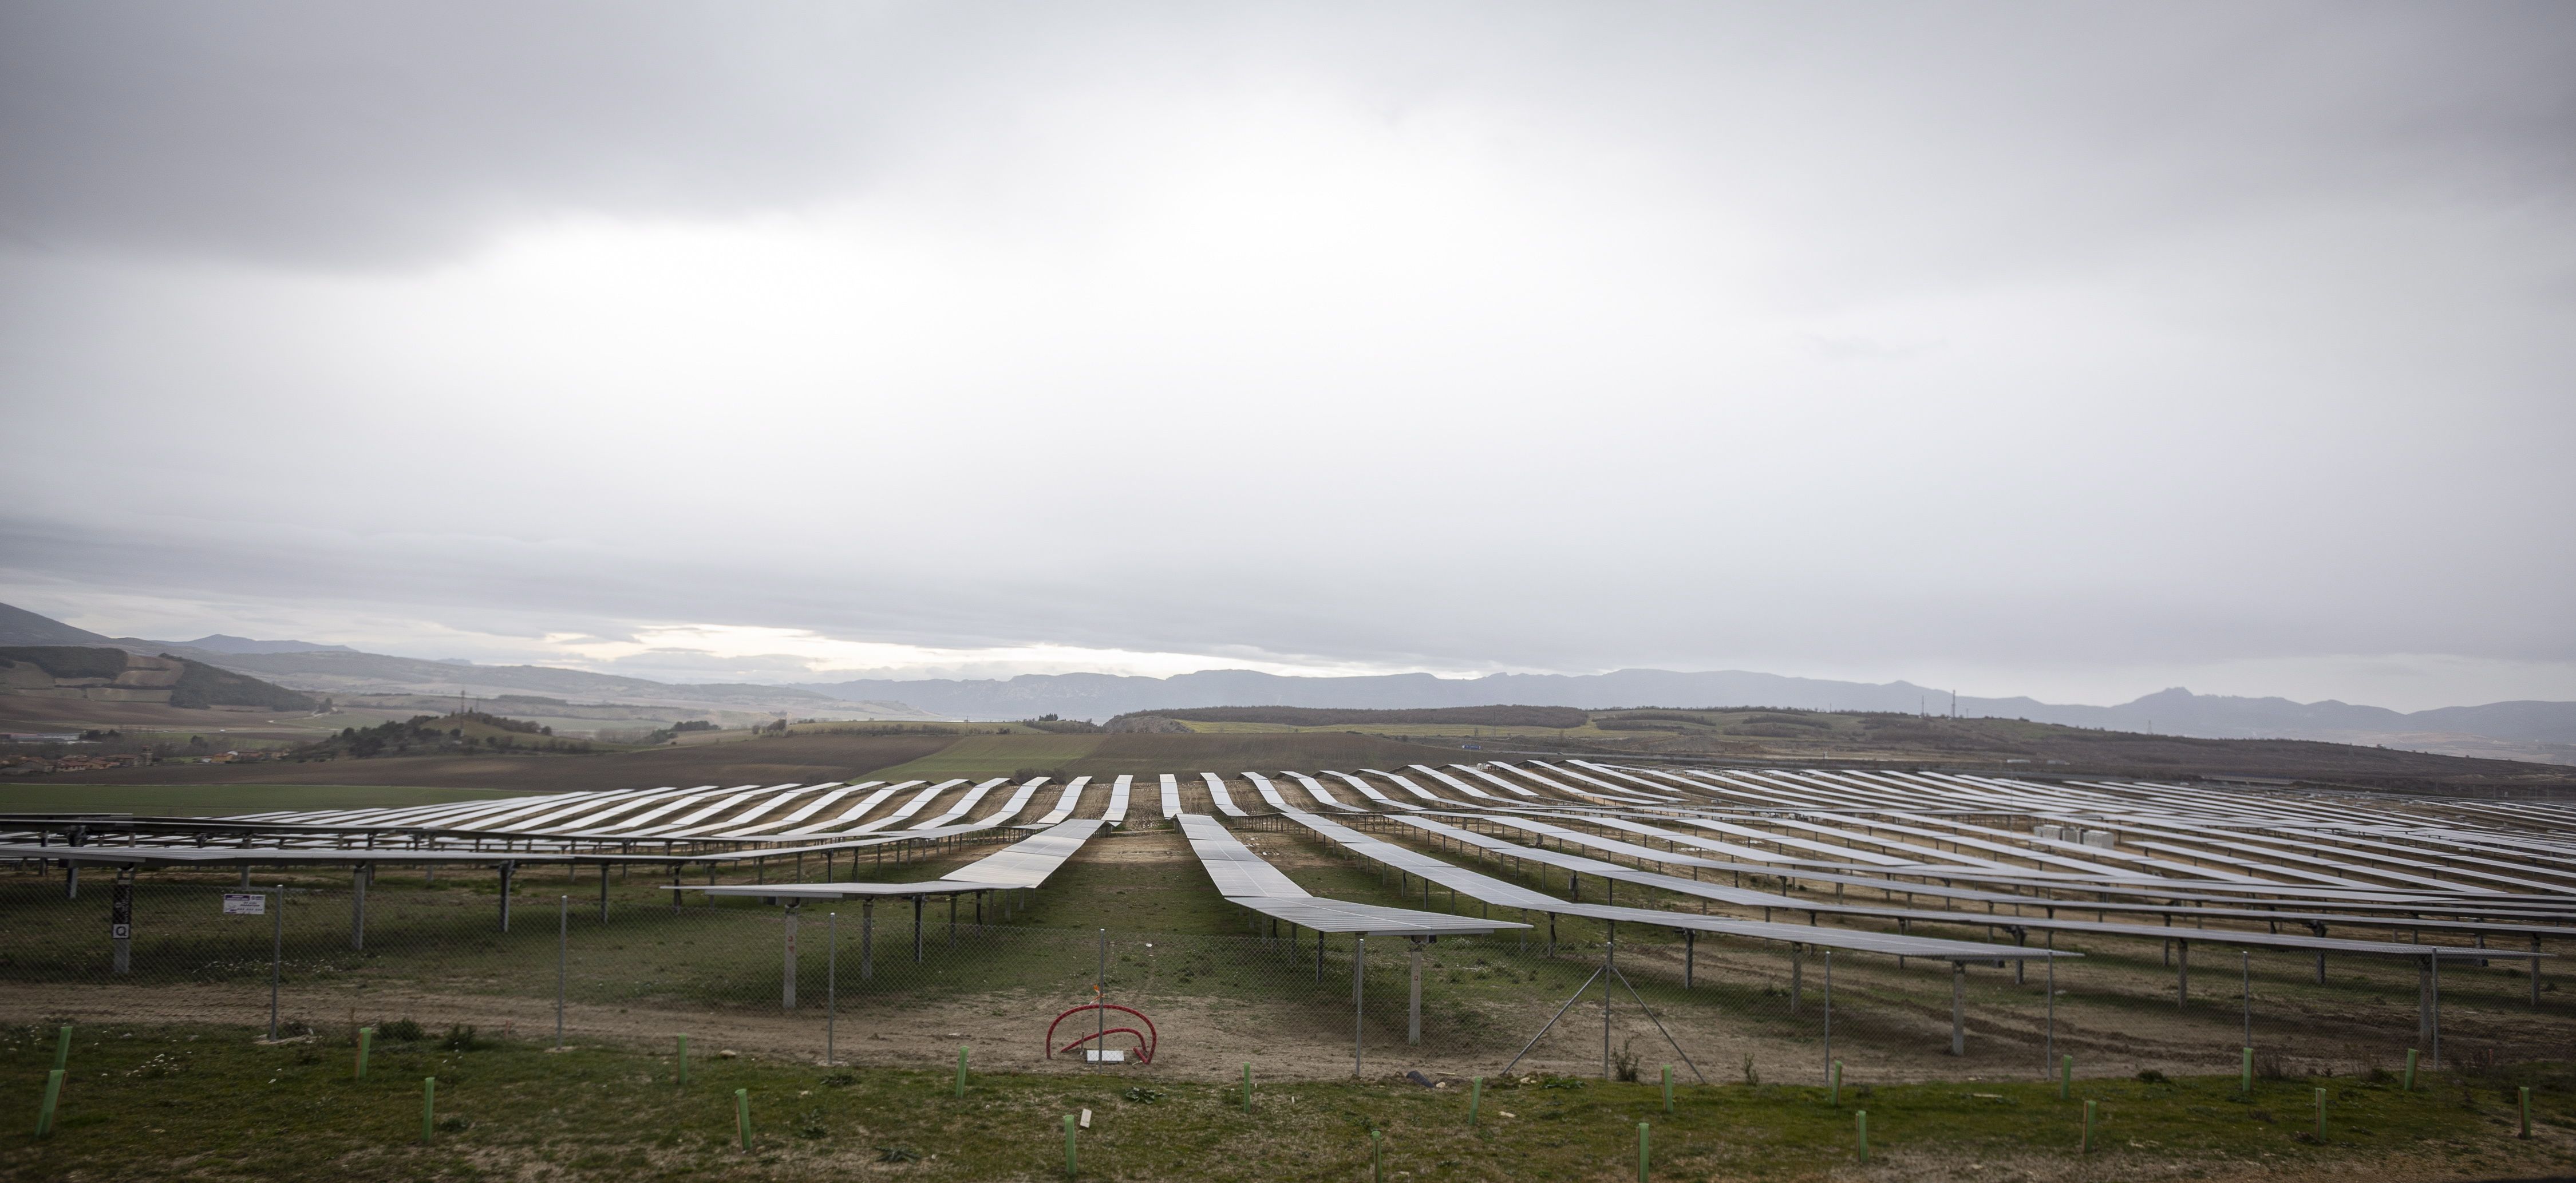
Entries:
{"x":787,"y":991}
{"x":742,"y":1115}
{"x":1863,"y":1116}
{"x":563,"y":957}
{"x":2245,"y":1074}
{"x":2088,"y":1127}
{"x":2526,"y":1111}
{"x":2321,"y":1115}
{"x":831,"y":980}
{"x":2245,"y":967}
{"x":2410,"y":1070}
{"x":1475,"y":1098}
{"x":53,"y":1096}
{"x":1668,"y":1088}
{"x":961,"y":1069}
{"x":1834,"y":1086}
{"x":276,"y":956}
{"x":366,"y":1038}
{"x":428,"y":1109}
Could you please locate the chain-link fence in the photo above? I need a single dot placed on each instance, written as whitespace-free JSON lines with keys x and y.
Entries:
{"x":903,"y":981}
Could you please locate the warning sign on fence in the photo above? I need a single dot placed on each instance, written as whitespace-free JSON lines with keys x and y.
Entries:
{"x":245,"y":904}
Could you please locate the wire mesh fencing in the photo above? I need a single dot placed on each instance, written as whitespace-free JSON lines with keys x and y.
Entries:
{"x":909,"y":981}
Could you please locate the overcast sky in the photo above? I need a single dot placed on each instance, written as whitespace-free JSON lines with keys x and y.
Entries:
{"x":2069,"y":350}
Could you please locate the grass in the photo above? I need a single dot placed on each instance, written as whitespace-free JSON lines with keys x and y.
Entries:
{"x":151,"y":1102}
{"x":217,"y":800}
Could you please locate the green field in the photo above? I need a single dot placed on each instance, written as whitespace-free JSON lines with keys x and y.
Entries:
{"x":151,"y":1103}
{"x":216,"y":800}
{"x":1468,"y":731}
{"x":994,"y":755}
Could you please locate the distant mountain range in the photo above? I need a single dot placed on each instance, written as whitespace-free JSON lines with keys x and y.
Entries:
{"x":1099,"y":696}
{"x":2510,"y":730}
{"x":220,"y":643}
{"x":338,"y":669}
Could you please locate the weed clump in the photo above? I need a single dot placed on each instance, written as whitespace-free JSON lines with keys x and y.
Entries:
{"x":462,"y":1038}
{"x":1623,"y":1066}
{"x":2151,"y":1076}
{"x":403,"y":1030}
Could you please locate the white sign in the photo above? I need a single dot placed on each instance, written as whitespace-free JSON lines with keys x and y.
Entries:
{"x":245,"y":904}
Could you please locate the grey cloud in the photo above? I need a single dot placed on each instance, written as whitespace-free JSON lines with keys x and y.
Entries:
{"x":1845,"y":335}
{"x":375,"y":134}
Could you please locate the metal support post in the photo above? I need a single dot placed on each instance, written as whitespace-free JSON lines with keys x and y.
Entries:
{"x":506,"y":871}
{"x":916,"y":930}
{"x":1829,"y":1006}
{"x":1797,"y":974}
{"x":563,"y":959}
{"x":831,"y":979}
{"x":2434,"y":1045}
{"x":1413,"y":1015}
{"x":358,"y":907}
{"x":1359,"y":1005}
{"x":867,"y":939}
{"x":2051,"y":1048}
{"x":1958,"y":1008}
{"x":120,"y":921}
{"x":1609,"y":961}
{"x":276,"y":954}
{"x":2424,"y":1001}
{"x":2182,"y":973}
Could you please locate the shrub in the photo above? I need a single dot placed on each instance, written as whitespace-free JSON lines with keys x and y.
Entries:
{"x":405,"y":1030}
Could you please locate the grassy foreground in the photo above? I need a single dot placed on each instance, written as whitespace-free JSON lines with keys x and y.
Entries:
{"x":210,"y":1103}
